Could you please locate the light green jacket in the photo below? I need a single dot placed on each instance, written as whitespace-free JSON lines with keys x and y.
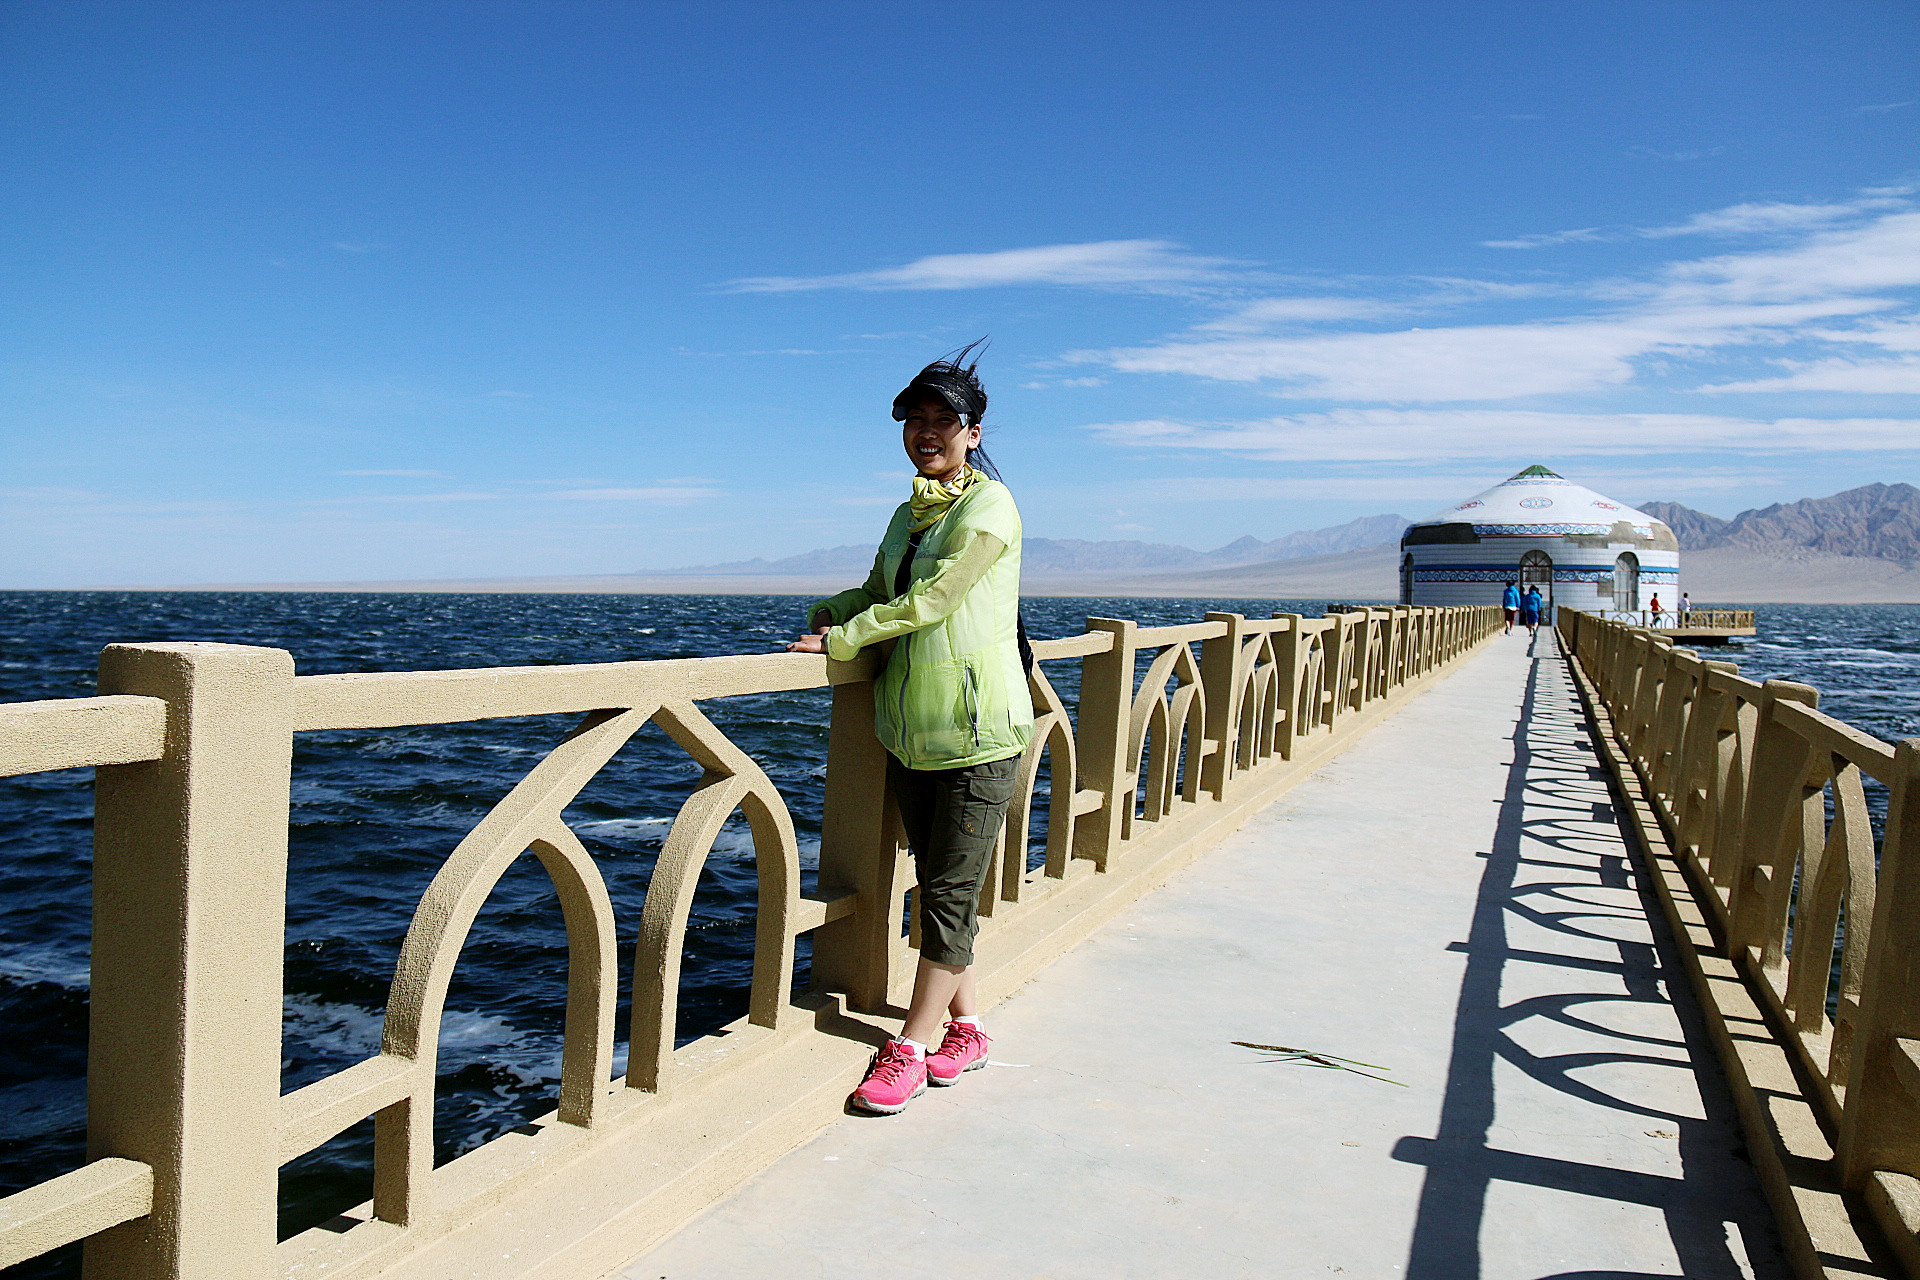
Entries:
{"x":954,"y":692}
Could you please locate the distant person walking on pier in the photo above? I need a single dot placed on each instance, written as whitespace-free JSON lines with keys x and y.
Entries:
{"x":1653,"y":610}
{"x":1531,"y":605}
{"x":1510,"y":601}
{"x":951,"y":707}
{"x":1686,"y":609}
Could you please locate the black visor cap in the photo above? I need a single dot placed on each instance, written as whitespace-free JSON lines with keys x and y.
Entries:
{"x":916,"y":392}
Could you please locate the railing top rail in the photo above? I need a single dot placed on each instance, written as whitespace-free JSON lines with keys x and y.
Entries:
{"x":78,"y":733}
{"x":1153,"y":637}
{"x":390,"y":699}
{"x":1873,"y":756}
{"x":1674,"y":619}
{"x":1073,"y":646}
{"x":1265,"y":626}
{"x":1734,"y":683}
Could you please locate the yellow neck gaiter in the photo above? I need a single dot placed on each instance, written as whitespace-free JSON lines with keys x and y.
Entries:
{"x":932,"y":498}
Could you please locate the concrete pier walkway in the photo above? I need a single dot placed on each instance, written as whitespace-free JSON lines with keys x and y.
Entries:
{"x":1451,"y":899}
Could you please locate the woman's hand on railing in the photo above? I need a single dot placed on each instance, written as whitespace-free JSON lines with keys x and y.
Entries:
{"x":811,"y":642}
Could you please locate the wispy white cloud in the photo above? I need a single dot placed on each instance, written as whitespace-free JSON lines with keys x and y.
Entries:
{"x":1101,"y":264}
{"x":394,"y":472}
{"x":1832,"y":262}
{"x":1418,"y":491}
{"x":1423,"y":435}
{"x":1654,"y":153}
{"x":468,"y":495}
{"x":1895,"y":333}
{"x":1470,"y":362}
{"x":1862,"y":377}
{"x":1270,"y":312}
{"x":1044,"y":385}
{"x":1883,"y":254}
{"x":1884,"y":106}
{"x":1763,"y":217}
{"x":1540,"y":240}
{"x":670,"y":495}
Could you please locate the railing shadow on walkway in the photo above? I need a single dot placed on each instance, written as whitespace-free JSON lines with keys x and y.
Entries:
{"x":1555,"y":787}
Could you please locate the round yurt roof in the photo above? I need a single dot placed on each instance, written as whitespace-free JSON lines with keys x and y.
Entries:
{"x":1537,"y":501}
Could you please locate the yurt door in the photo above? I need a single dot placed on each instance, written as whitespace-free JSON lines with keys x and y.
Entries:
{"x":1536,"y":567}
{"x":1626,"y":583}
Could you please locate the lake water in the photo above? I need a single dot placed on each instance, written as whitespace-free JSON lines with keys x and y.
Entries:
{"x":375,"y":811}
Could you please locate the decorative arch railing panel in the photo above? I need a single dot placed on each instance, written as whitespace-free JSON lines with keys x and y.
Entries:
{"x":1176,"y":733}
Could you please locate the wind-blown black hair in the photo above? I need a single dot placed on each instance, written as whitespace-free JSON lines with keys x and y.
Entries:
{"x":954,"y":380}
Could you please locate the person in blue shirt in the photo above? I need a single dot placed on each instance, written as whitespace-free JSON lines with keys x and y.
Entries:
{"x":1532,"y":606}
{"x":1511,"y":603}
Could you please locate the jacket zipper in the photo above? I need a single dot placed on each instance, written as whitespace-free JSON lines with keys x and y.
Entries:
{"x":973,"y":708}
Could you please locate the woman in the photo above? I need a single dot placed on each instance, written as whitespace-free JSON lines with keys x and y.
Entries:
{"x":1531,"y":606}
{"x":951,"y":707}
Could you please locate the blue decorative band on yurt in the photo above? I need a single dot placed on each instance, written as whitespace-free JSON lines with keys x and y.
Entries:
{"x":1537,"y":530}
{"x":1482,"y":573}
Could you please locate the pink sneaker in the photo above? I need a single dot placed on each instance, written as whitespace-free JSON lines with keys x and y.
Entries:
{"x":963,"y":1049}
{"x":895,"y":1079}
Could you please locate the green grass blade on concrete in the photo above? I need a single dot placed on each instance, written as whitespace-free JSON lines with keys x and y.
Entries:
{"x":1325,"y":1061}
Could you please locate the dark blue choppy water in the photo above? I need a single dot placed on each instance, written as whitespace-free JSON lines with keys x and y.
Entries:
{"x":375,"y":811}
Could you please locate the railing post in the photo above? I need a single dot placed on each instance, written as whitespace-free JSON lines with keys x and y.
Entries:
{"x":1695,"y":768}
{"x":1333,"y":670}
{"x":1220,"y":681}
{"x":1773,"y":830}
{"x":1681,"y":669}
{"x":1286,"y":674}
{"x":1101,"y":738}
{"x":1354,"y":692}
{"x":858,"y":854}
{"x":1880,"y":1126}
{"x":189,"y":938}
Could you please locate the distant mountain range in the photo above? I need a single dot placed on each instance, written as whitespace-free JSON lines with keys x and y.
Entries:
{"x":1043,"y":557}
{"x":1875,"y":521}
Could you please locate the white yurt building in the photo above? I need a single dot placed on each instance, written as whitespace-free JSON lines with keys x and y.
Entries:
{"x":1583,"y":550}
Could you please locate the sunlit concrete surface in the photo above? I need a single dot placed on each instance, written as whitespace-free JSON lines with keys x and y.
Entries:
{"x":1451,"y":899}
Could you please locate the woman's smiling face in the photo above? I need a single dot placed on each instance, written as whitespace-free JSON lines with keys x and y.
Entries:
{"x":936,"y":439}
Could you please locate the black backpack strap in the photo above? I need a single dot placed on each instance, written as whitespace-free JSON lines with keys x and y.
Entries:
{"x":903,"y":576}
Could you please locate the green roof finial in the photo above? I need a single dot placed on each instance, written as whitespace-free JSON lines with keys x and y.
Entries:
{"x":1537,"y":470}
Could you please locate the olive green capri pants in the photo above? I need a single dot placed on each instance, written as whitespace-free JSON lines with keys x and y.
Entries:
{"x":952,"y":817}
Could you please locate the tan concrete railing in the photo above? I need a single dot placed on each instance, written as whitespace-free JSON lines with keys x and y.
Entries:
{"x":1762,"y":800}
{"x":193,"y":743}
{"x":1712,"y":619}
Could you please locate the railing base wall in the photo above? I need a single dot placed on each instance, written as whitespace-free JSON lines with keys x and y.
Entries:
{"x":767,"y":1091}
{"x":1827,"y":1235}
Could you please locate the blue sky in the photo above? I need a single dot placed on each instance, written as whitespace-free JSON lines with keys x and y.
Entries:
{"x":385,"y":290}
